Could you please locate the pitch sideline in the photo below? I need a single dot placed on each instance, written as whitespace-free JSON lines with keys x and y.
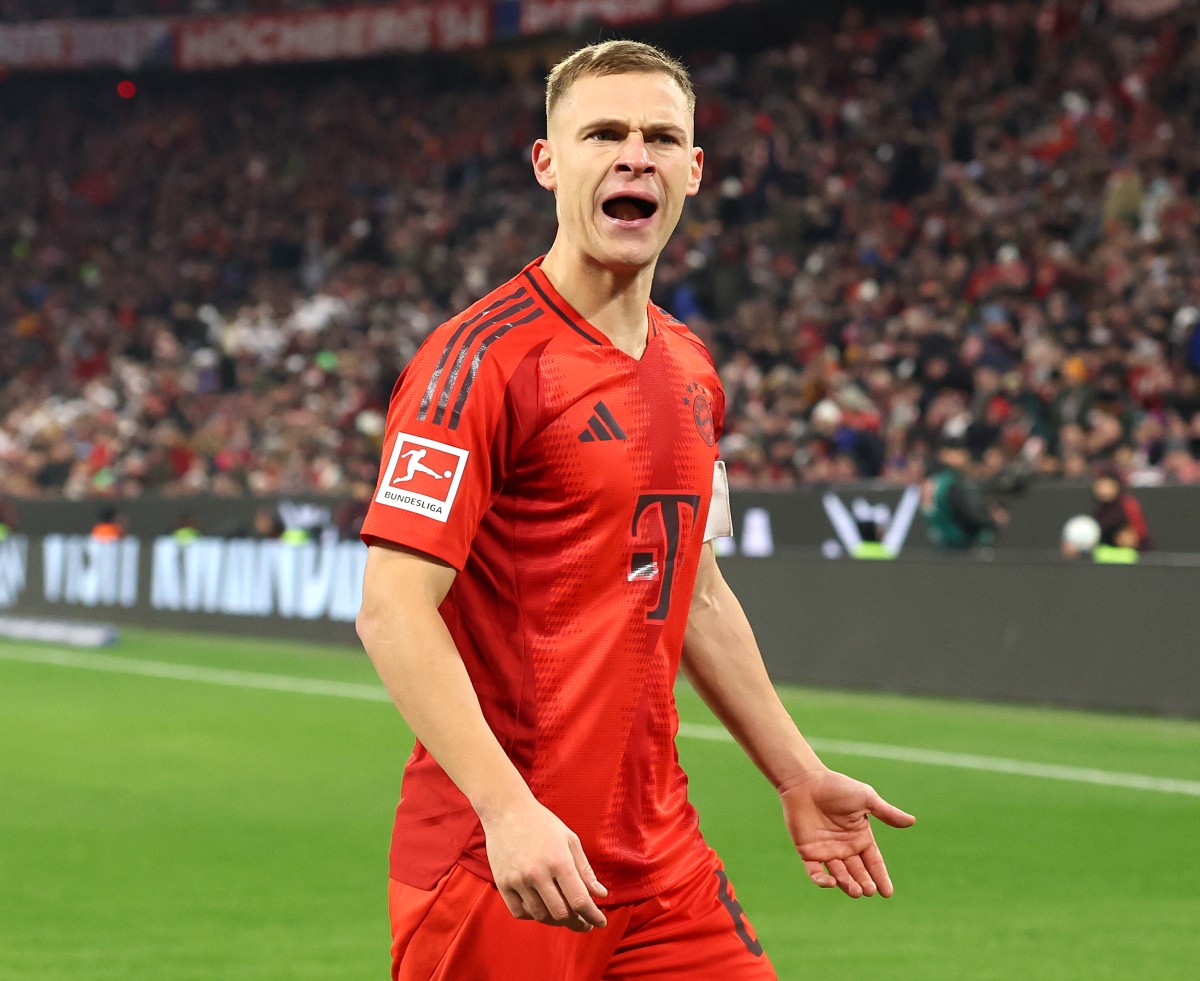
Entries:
{"x":373,"y":693}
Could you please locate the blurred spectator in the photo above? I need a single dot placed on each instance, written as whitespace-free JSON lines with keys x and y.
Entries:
{"x":956,"y":513}
{"x":1117,"y":512}
{"x":268,"y":524}
{"x":110,"y":527}
{"x":186,"y":529}
{"x":348,"y":517}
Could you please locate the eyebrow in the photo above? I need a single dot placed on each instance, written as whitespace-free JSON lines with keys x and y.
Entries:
{"x":621,"y":124}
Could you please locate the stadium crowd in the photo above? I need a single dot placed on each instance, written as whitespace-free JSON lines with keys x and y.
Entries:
{"x":978,"y":226}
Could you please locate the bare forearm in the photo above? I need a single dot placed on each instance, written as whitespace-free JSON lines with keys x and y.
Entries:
{"x":722,"y":661}
{"x":414,"y":654}
{"x":537,"y":862}
{"x":429,"y":685}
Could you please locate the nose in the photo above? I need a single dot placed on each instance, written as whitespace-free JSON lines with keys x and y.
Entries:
{"x":634,"y":157}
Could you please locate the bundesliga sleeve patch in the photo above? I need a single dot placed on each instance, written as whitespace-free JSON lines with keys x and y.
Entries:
{"x":422,"y":476}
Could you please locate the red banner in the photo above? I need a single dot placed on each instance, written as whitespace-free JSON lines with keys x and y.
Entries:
{"x":361,"y":32}
{"x":344,"y":33}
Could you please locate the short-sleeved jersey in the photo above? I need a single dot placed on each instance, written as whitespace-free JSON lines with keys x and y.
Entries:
{"x":568,"y":483}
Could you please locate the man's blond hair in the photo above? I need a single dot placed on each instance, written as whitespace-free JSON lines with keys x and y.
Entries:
{"x":615,"y":58}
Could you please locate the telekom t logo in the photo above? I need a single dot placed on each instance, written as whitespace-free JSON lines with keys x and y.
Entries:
{"x":661,"y":513}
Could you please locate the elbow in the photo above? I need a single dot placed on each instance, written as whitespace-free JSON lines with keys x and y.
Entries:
{"x":702,"y":615}
{"x":706,"y":599}
{"x":709,"y":589}
{"x":379,"y":638}
{"x":401,"y":594}
{"x":368,"y":625}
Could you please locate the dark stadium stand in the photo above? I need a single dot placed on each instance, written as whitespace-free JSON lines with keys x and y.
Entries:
{"x":16,"y":11}
{"x":979,"y":223}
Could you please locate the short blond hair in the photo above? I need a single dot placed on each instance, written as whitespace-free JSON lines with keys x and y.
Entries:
{"x":615,"y":58}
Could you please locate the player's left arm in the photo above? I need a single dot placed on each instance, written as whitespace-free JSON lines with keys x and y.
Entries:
{"x":827,"y":813}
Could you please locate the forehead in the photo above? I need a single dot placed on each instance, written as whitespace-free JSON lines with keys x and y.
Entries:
{"x":636,"y":96}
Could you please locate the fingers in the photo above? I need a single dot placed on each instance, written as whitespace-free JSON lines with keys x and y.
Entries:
{"x":533,"y":905}
{"x":873,"y":862}
{"x":860,"y":877}
{"x":845,"y":881}
{"x":889,"y":814}
{"x":580,"y":887}
{"x":563,"y":897}
{"x":856,"y":876}
{"x":578,"y":911}
{"x":816,"y":872}
{"x":546,"y":904}
{"x":516,"y":905}
{"x":584,"y":868}
{"x":569,"y":905}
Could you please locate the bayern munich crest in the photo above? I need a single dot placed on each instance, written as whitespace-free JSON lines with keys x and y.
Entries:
{"x":702,"y":412}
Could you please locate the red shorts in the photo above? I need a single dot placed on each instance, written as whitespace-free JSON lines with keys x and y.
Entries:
{"x":461,"y":931}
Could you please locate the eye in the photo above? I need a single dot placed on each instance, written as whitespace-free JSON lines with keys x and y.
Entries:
{"x":667,"y":139}
{"x":604,"y":135}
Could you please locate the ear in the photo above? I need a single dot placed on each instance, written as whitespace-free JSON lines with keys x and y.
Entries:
{"x":697,"y":171}
{"x":543,"y":165}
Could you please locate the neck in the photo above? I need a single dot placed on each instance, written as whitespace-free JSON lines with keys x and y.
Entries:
{"x":612,"y":301}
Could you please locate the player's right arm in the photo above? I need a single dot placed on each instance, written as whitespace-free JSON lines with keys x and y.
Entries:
{"x":537,"y":862}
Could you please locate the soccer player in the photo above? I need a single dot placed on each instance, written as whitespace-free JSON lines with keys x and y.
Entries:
{"x":532,"y":590}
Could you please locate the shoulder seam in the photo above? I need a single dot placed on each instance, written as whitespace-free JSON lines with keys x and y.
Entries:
{"x":683,"y":331}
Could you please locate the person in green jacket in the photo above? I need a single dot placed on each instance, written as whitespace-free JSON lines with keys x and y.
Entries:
{"x":956,"y":514}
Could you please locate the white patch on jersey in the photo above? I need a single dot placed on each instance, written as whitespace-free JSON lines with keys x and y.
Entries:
{"x":645,"y":572}
{"x":720,"y":520}
{"x":422,"y":476}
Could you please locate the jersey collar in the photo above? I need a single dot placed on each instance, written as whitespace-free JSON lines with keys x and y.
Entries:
{"x":532,"y":275}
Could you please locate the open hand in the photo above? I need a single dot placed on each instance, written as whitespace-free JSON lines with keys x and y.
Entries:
{"x":828,"y":816}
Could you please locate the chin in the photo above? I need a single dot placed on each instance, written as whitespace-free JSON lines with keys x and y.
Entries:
{"x":628,"y":264}
{"x":630,"y":258}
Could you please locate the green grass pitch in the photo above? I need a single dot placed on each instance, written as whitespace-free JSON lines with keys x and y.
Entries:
{"x":171,"y":830}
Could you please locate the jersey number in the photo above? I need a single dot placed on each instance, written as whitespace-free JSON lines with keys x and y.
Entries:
{"x":666,"y":510}
{"x":738,"y":914}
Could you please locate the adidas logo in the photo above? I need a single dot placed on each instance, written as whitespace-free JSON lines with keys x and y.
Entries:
{"x":602,"y":426}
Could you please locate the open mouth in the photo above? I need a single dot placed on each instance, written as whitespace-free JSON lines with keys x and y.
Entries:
{"x":624,"y":208}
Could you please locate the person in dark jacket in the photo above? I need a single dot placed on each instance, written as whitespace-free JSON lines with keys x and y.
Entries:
{"x":1122,"y":522}
{"x":956,"y":513}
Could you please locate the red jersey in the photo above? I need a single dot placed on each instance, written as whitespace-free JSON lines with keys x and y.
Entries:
{"x":569,"y":484}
